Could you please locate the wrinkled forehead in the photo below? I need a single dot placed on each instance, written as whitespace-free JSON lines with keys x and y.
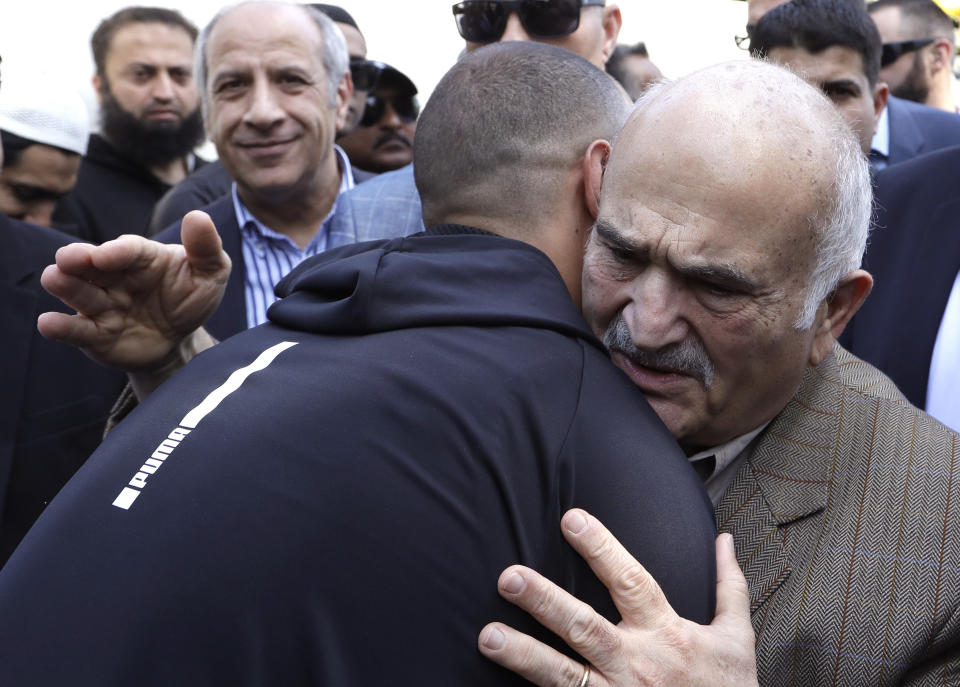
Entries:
{"x":718,"y":176}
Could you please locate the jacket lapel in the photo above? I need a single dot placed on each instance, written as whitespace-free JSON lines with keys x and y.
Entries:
{"x":231,"y":316}
{"x":785,"y":479}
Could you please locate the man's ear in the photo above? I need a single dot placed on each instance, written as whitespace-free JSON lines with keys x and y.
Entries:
{"x":880,"y":93}
{"x":840,"y":306}
{"x":344,"y":94}
{"x":594,"y":162}
{"x":97,"y":82}
{"x":942,"y":53}
{"x":612,"y":21}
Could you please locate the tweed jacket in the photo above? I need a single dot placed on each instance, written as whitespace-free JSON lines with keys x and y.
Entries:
{"x":845,"y":528}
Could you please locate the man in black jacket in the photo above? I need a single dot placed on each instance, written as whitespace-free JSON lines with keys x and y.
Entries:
{"x":328,"y":499}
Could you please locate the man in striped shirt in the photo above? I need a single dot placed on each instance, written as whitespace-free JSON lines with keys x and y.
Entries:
{"x":275,"y":91}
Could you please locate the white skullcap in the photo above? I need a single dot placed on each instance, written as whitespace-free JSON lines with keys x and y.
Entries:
{"x":38,"y":108}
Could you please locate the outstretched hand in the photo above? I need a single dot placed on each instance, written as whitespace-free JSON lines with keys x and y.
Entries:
{"x":652,"y":645}
{"x":137,"y":299}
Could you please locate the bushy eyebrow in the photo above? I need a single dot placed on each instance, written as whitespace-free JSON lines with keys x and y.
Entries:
{"x":727,"y":275}
{"x":610,"y":235}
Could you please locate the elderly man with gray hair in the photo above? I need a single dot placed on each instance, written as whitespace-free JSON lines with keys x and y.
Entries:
{"x":275,"y":88}
{"x":723,"y":265}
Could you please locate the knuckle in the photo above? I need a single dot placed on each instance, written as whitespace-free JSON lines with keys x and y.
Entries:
{"x":587,"y":630}
{"x":542,"y":600}
{"x":600,"y":549}
{"x":634,"y":580}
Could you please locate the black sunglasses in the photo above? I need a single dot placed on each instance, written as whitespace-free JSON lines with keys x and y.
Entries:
{"x":892,"y":51}
{"x":406,"y":106}
{"x":366,"y":74}
{"x":484,"y":21}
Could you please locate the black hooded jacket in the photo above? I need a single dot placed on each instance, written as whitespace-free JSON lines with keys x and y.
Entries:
{"x":329,"y":499}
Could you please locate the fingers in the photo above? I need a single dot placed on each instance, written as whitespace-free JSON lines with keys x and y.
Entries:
{"x":202,"y":243}
{"x":83,"y":296}
{"x":533,"y":660}
{"x":636,"y":594}
{"x":582,"y":628}
{"x":733,"y":593}
{"x":71,"y":329}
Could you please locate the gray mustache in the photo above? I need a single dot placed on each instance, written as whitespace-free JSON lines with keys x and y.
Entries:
{"x":687,"y":357}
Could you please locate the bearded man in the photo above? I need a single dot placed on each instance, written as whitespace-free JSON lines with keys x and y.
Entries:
{"x":150,"y":123}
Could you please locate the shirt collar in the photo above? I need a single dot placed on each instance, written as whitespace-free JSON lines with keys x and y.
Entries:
{"x":726,"y":453}
{"x":245,"y":217}
{"x":881,"y":139}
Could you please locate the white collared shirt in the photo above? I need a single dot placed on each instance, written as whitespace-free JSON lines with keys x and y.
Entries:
{"x":729,"y":457}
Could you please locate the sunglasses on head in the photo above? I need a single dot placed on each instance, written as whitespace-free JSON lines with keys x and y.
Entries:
{"x":892,"y":51}
{"x":406,"y":107}
{"x":484,"y":21}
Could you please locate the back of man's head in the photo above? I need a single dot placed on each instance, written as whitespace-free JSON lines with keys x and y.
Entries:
{"x":104,"y":33}
{"x":815,"y":25}
{"x":919,"y":18}
{"x":504,"y":128}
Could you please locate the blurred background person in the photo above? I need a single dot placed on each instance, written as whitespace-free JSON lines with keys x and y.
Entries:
{"x":632,"y":67}
{"x":44,"y":130}
{"x":383,"y":138}
{"x":919,"y":42}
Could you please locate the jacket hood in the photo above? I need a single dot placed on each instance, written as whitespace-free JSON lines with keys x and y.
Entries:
{"x":437,"y":279}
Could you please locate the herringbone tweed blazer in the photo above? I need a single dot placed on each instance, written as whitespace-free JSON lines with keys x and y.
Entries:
{"x":847,"y":526}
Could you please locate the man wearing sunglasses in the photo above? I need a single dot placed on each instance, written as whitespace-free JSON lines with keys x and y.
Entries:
{"x":588,"y":28}
{"x":383,"y":139}
{"x":918,"y":49}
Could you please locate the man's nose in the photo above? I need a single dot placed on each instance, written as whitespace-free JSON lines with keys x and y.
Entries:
{"x":264,"y":110}
{"x":515,"y":30}
{"x":390,"y":118}
{"x":163,"y":87}
{"x":655,"y":313}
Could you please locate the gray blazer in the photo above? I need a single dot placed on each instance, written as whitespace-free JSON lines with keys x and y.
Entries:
{"x":387,"y":206}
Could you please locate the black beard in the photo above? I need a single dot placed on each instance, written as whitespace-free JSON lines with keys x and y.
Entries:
{"x":915,"y":86}
{"x":149,"y":145}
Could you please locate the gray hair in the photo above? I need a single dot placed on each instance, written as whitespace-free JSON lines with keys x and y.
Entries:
{"x":843,"y":226}
{"x":334,"y":55}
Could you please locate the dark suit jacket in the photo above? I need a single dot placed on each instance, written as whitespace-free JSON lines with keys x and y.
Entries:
{"x":916,"y":129}
{"x":231,"y":316}
{"x":113,"y":195}
{"x":203,"y":187}
{"x":53,"y":399}
{"x":846,"y":527}
{"x":914,"y":256}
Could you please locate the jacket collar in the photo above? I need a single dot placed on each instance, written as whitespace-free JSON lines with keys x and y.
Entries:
{"x":786,"y":478}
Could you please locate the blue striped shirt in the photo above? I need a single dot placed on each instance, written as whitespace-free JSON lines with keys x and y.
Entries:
{"x":268,"y":256}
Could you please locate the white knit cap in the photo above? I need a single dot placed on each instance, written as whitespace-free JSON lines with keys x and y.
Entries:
{"x":39,"y":108}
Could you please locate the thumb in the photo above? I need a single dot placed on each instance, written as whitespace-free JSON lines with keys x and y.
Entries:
{"x":202,"y":243}
{"x":733,"y":593}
